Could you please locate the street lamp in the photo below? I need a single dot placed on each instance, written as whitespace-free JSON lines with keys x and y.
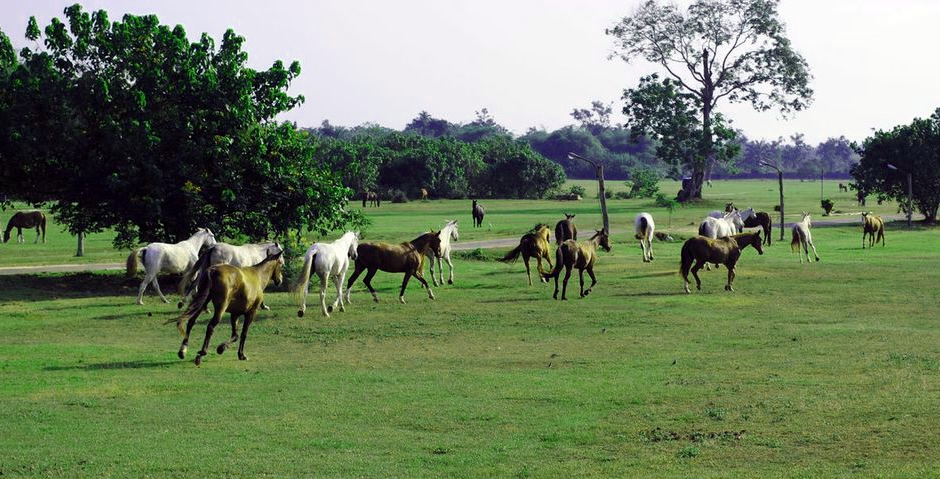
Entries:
{"x":780,"y":180}
{"x":910,"y":208}
{"x":599,"y":172}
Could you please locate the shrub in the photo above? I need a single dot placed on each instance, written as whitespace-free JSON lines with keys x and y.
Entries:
{"x":827,"y":206}
{"x":622,"y":195}
{"x":644,"y":183}
{"x":577,"y":190}
{"x":397,"y":196}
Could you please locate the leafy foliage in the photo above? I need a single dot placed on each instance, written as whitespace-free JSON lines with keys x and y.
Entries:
{"x":644,"y":183}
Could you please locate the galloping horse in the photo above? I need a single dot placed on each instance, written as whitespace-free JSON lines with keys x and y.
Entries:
{"x":533,"y":244}
{"x":565,"y":229}
{"x":478,"y":212}
{"x":725,"y":250}
{"x":327,"y":260}
{"x":572,"y":254}
{"x":447,"y":233}
{"x":167,"y":258}
{"x":801,"y":236}
{"x":224,"y":253}
{"x":873,"y":225}
{"x":232,"y":289}
{"x":26,"y":219}
{"x":644,"y":226}
{"x":405,"y":258}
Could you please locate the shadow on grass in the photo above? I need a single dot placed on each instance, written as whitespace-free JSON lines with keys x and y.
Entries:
{"x":78,"y":285}
{"x":653,"y":275}
{"x":140,"y":364}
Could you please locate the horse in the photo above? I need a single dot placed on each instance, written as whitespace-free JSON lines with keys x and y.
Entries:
{"x":572,"y":254}
{"x":760,"y":219}
{"x":447,"y":233}
{"x":726,"y":224}
{"x":566,"y":229}
{"x":645,"y":227}
{"x":167,"y":258}
{"x":535,"y":243}
{"x":224,"y":253}
{"x":725,"y":250}
{"x":737,"y":217}
{"x":327,"y":260}
{"x":478,"y":212}
{"x":231,"y":289}
{"x":842,"y":188}
{"x":407,"y":257}
{"x":802,"y":237}
{"x":873,"y":224}
{"x":424,"y":193}
{"x":26,"y":219}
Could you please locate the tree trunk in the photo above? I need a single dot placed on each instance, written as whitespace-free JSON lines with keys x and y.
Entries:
{"x":81,"y":245}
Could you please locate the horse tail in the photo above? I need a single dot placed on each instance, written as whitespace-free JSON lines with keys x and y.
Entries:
{"x":559,"y":233}
{"x":195,"y":272}
{"x":132,"y":261}
{"x":301,"y":283}
{"x":512,"y":255}
{"x":559,"y":261}
{"x":795,"y":240}
{"x":642,"y":229}
{"x":687,"y":258}
{"x":198,"y":303}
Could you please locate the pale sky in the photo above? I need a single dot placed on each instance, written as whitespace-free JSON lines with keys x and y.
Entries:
{"x":875,"y":63}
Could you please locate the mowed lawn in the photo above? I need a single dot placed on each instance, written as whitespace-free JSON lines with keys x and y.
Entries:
{"x":814,"y":370}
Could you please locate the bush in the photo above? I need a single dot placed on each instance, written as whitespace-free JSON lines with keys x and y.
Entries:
{"x":608,"y":194}
{"x":644,"y":183}
{"x":397,"y":196}
{"x":827,"y":206}
{"x":622,"y":195}
{"x":577,"y":190}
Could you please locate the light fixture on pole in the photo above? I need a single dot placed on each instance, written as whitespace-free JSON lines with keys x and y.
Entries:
{"x":780,"y":180}
{"x":910,"y":204}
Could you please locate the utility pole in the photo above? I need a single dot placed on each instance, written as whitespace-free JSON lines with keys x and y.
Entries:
{"x":599,"y":172}
{"x":780,"y":181}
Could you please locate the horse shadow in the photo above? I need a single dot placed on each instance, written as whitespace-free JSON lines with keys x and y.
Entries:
{"x":139,"y":364}
{"x":19,"y":287}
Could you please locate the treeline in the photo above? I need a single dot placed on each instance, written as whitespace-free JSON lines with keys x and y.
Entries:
{"x":833,"y":158}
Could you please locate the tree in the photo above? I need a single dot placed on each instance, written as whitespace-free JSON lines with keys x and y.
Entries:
{"x":426,"y":125}
{"x":913,"y":150}
{"x":130,"y":126}
{"x":596,"y":119}
{"x":734,"y":50}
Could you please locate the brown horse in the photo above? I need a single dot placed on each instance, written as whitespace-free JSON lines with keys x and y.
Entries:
{"x":725,"y":250}
{"x":572,"y":254}
{"x":405,"y":258}
{"x":372,"y":197}
{"x":533,"y":244}
{"x":232,"y":289}
{"x":873,"y":225}
{"x":566,"y":230}
{"x":26,"y":219}
{"x":478,"y":212}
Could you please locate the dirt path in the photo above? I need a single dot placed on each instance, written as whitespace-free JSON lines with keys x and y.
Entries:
{"x":836,"y":220}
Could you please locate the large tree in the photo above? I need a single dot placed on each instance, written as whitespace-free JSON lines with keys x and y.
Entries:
{"x":129,"y":125}
{"x":734,"y":50}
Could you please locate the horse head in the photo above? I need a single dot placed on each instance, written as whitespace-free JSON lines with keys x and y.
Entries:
{"x":603,"y":239}
{"x":757,"y":242}
{"x":278,"y":274}
{"x":568,"y":217}
{"x":454,"y":235}
{"x":729,"y":207}
{"x":353,"y":251}
{"x":434,"y":242}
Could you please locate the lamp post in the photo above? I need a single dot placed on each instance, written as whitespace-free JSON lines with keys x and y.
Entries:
{"x":599,"y":172}
{"x":780,"y":181}
{"x":910,"y":205}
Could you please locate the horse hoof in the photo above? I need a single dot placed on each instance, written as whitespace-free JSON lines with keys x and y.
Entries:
{"x":167,"y":301}
{"x":402,"y":299}
{"x":179,"y":305}
{"x":300,"y":313}
{"x":329,"y":309}
{"x":265,"y":307}
{"x":450,"y":281}
{"x":198,"y":360}
{"x":221,"y":348}
{"x":242,"y":357}
{"x":181,"y":353}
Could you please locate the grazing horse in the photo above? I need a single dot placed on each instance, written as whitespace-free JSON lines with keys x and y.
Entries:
{"x":572,"y":254}
{"x":843,"y":187}
{"x":223,"y":253}
{"x":761,"y":219}
{"x":535,"y":243}
{"x":26,"y":219}
{"x":231,"y":289}
{"x":448,"y":232}
{"x":407,"y":257}
{"x":726,"y":250}
{"x":873,"y":224}
{"x":566,"y":229}
{"x":644,"y":226}
{"x":478,"y":212}
{"x":167,"y":258}
{"x":327,"y":260}
{"x":802,"y":237}
{"x":372,"y":197}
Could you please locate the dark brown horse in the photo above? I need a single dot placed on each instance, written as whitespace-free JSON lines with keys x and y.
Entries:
{"x":761,"y":219}
{"x":572,"y":254}
{"x":726,"y":250}
{"x":232,"y":289}
{"x":26,"y":219}
{"x":478,"y":212}
{"x":371,"y":197}
{"x":534,"y":244}
{"x":405,"y":258}
{"x":566,"y":230}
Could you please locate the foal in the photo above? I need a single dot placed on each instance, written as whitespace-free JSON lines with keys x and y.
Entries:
{"x":803,"y":237}
{"x":572,"y":254}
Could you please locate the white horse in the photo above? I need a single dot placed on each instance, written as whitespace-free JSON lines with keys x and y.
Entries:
{"x":715,"y":228}
{"x":224,"y":253}
{"x":167,"y":258}
{"x":738,"y":217}
{"x":803,"y":239}
{"x":644,"y":232}
{"x":447,"y":233}
{"x":327,"y":260}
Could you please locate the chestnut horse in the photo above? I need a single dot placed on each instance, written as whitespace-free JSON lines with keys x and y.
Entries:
{"x":407,"y":257}
{"x":725,"y":250}
{"x":232,"y":289}
{"x":572,"y":254}
{"x":26,"y":219}
{"x":534,"y":244}
{"x":565,"y":229}
{"x":873,"y":225}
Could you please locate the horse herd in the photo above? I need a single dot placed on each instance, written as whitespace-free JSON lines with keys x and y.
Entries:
{"x":233,"y":278}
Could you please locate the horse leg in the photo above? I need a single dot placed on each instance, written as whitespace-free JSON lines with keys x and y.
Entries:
{"x":222,"y":347}
{"x":555,"y":294}
{"x":368,"y":282}
{"x":216,"y":317}
{"x":450,"y":264}
{"x":156,"y":285}
{"x":249,"y":318}
{"x":814,"y":251}
{"x":590,"y":271}
{"x":649,"y":246}
{"x":730,"y":278}
{"x":323,"y":309}
{"x":695,"y":269}
{"x":352,"y":279}
{"x":189,"y":329}
{"x":431,"y":270}
{"x":581,"y":279}
{"x":564,"y":288}
{"x":525,"y":259}
{"x":19,"y":235}
{"x":424,"y":283}
{"x":404,"y":284}
{"x":37,"y":236}
{"x":338,"y":283}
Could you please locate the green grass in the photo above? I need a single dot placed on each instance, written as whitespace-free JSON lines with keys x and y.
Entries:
{"x":821,"y":370}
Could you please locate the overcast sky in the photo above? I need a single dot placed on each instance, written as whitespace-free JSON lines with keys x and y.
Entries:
{"x":530,"y":62}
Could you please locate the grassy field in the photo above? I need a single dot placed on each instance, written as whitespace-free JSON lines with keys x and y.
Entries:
{"x":504,"y":218}
{"x":821,"y":370}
